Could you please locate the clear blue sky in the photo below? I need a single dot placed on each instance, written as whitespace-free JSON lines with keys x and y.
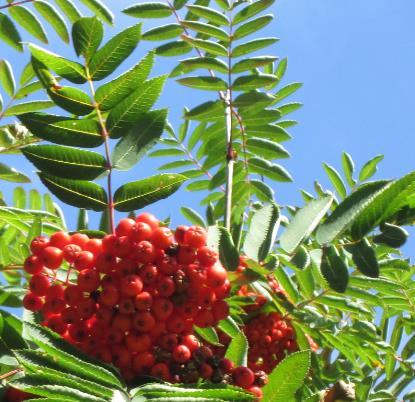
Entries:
{"x":356,"y":60}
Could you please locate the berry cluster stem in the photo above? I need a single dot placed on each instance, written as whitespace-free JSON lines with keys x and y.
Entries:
{"x":105,"y":136}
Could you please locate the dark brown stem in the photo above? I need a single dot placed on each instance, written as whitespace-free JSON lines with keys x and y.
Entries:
{"x":105,"y":136}
{"x":16,"y":4}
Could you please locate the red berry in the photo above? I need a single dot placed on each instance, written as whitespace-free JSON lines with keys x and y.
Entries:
{"x":86,"y":308}
{"x":122,"y":246}
{"x":161,"y":370}
{"x":104,"y":315}
{"x":109,"y":296}
{"x":55,"y":306}
{"x":191,"y":342}
{"x":148,"y":273}
{"x":162,"y":238}
{"x":186,"y":255}
{"x":162,"y":308}
{"x":166,"y":287}
{"x":38,"y":244}
{"x":243,"y":377}
{"x":206,"y":371}
{"x":15,"y":395}
{"x":143,"y":301}
{"x":256,"y":391}
{"x":56,"y":324}
{"x":78,"y":332}
{"x":70,"y":315}
{"x":72,"y":294}
{"x":220,"y":310}
{"x":94,"y":246}
{"x":195,"y":237}
{"x":122,"y":322}
{"x":60,"y":239}
{"x":216,"y":275}
{"x":181,"y":354}
{"x":84,"y":260}
{"x":55,"y":292}
{"x":204,"y":319}
{"x":124,"y":227}
{"x":141,"y":231}
{"x":33,"y":265}
{"x":144,"y":252}
{"x":142,"y":361}
{"x":79,"y":239}
{"x":207,"y":257}
{"x":138,"y":343}
{"x":105,"y":262}
{"x":144,"y":322}
{"x":131,"y":285}
{"x":227,"y":365}
{"x":88,"y":280}
{"x":39,"y":284}
{"x":121,"y":357}
{"x":52,"y":257}
{"x":150,"y":219}
{"x":70,"y":252}
{"x":179,"y":233}
{"x":32,"y":302}
{"x":126,"y":306}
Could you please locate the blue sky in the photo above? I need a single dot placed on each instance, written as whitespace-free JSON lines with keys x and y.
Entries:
{"x":356,"y":61}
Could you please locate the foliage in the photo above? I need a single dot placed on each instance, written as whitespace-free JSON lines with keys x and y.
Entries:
{"x":345,"y":282}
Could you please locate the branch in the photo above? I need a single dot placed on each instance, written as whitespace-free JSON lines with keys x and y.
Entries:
{"x":17,"y":3}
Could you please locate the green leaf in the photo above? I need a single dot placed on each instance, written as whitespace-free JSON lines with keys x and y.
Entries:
{"x":149,"y":10}
{"x":209,"y":63}
{"x":347,"y":211}
{"x":63,"y":130}
{"x":262,"y":232}
{"x":28,"y":89}
{"x":237,"y":350}
{"x":78,"y":193}
{"x":71,"y":99}
{"x":11,"y":332}
{"x":100,"y":9}
{"x":87,"y":34}
{"x":268,"y":169}
{"x":252,"y":26}
{"x":392,"y":235}
{"x":251,"y":10}
{"x":69,"y":10}
{"x":138,"y":194}
{"x":252,"y":63}
{"x":54,"y":18}
{"x":139,"y":139}
{"x":7,"y":78}
{"x":207,"y":45}
{"x":287,"y":377}
{"x":113,"y":92}
{"x":262,"y":191}
{"x":385,"y":204}
{"x":364,"y":257}
{"x":287,"y":91}
{"x":304,"y":223}
{"x":82,"y":220}
{"x":209,"y":111}
{"x":221,"y":241}
{"x":334,"y":269}
{"x":336,"y":180}
{"x":252,"y":46}
{"x":348,"y":168}
{"x":8,"y":173}
{"x":254,"y":81}
{"x":207,"y":29}
{"x":370,"y":168}
{"x":209,"y":334}
{"x":192,"y":216}
{"x":66,"y":162}
{"x":207,"y":83}
{"x":27,"y":107}
{"x":9,"y":34}
{"x":175,"y":48}
{"x":27,"y":20}
{"x":130,"y":110}
{"x":266,"y":149}
{"x":259,"y":99}
{"x":164,"y":32}
{"x":209,"y":14}
{"x":70,"y":70}
{"x":114,"y":52}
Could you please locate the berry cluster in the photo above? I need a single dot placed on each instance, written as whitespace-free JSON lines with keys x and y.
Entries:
{"x":136,"y":295}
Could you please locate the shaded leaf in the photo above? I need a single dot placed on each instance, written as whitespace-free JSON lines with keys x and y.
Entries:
{"x":192,"y":216}
{"x":149,"y":10}
{"x":251,"y":10}
{"x":207,"y":83}
{"x":175,"y":48}
{"x":164,"y":32}
{"x":364,"y":257}
{"x":237,"y":350}
{"x":252,"y":46}
{"x":100,"y":9}
{"x":87,"y":34}
{"x":268,"y":169}
{"x":207,"y":45}
{"x":72,"y":99}
{"x":334,"y":269}
{"x":209,"y":14}
{"x":7,"y":77}
{"x":27,"y":20}
{"x":9,"y":34}
{"x":27,"y":107}
{"x":69,"y":9}
{"x":252,"y":26}
{"x":54,"y":18}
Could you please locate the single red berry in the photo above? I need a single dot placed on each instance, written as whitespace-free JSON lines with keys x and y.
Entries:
{"x":122,"y":322}
{"x":70,"y":315}
{"x":104,"y":314}
{"x":256,"y":391}
{"x":109,"y":296}
{"x":60,"y":239}
{"x":38,"y":244}
{"x":105,"y":262}
{"x":94,"y":246}
{"x":150,"y":219}
{"x":161,"y":370}
{"x":86,"y":308}
{"x":70,"y":252}
{"x":141,"y":231}
{"x":216,"y":275}
{"x":206,"y":297}
{"x":56,"y":291}
{"x":179,"y":233}
{"x":52,"y":257}
{"x":126,"y":267}
{"x":207,"y":256}
{"x":124,"y":227}
{"x":121,"y":357}
{"x":33,"y":265}
{"x":176,"y":324}
{"x":222,"y":292}
{"x":103,"y":355}
{"x":39,"y":284}
{"x":114,"y":335}
{"x":131,"y":285}
{"x":111,"y":279}
{"x":143,"y":301}
{"x":88,"y":280}
{"x":32,"y":302}
{"x":162,"y":308}
{"x":206,"y":371}
{"x":138,"y":343}
{"x":55,"y":306}
{"x":148,"y":273}
{"x":143,"y":361}
{"x":84,"y":260}
{"x":169,"y":341}
{"x":144,"y":322}
{"x":243,"y":377}
{"x":191,"y":342}
{"x":122,"y":246}
{"x":78,"y":331}
{"x":162,"y":238}
{"x":72,"y":294}
{"x":144,"y":252}
{"x":126,"y":306}
{"x":181,"y":354}
{"x":195,"y":237}
{"x":186,"y":255}
{"x":220,"y":310}
{"x":56,"y":324}
{"x":15,"y":395}
{"x":166,"y":286}
{"x":168,"y":265}
{"x":226,"y":365}
{"x":80,"y":239}
{"x":204,"y":319}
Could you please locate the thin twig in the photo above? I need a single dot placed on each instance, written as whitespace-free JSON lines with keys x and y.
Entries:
{"x":16,"y":4}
